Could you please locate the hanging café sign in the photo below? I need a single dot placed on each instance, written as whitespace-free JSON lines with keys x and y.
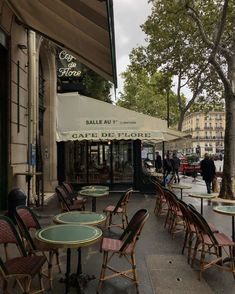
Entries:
{"x":67,"y":66}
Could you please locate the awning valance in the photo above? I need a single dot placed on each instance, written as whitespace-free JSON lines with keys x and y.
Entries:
{"x":84,"y":27}
{"x":84,"y":118}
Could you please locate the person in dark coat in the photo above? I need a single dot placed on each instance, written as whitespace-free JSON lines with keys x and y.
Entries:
{"x":158,"y":162}
{"x":176,"y":164}
{"x":208,"y":171}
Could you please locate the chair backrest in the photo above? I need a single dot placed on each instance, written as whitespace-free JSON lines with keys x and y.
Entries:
{"x":61,"y":194}
{"x":9,"y":235}
{"x":123,"y":200}
{"x":133,"y":230}
{"x":26,"y":221}
{"x":70,"y":193}
{"x":201,"y":225}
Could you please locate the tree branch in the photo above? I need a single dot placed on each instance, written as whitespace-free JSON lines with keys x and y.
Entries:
{"x":221,"y":28}
{"x":214,"y":46}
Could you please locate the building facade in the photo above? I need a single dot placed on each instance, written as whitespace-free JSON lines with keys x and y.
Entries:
{"x":28,"y":84}
{"x":207,"y":130}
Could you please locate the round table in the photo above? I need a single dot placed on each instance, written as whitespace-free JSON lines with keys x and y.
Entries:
{"x":96,"y":187}
{"x":227,"y":210}
{"x":203,"y":196}
{"x":68,"y":236}
{"x":94,"y":194}
{"x":80,"y":217}
{"x":181,"y":187}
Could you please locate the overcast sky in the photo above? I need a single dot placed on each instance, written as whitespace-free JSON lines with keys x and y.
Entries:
{"x":128,"y":16}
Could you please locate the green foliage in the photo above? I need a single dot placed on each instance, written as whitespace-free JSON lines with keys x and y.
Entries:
{"x":96,"y":86}
{"x":174,"y":48}
{"x":147,"y":93}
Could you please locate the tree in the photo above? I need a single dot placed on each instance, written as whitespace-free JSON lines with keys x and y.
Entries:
{"x":214,"y":21}
{"x":147,"y":93}
{"x":174,"y":49}
{"x":96,"y":86}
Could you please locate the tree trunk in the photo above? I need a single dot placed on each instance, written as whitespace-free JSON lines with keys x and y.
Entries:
{"x":228,"y":179}
{"x":181,"y":119}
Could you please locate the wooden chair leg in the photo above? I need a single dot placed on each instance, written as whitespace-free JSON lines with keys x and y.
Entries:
{"x":58,"y":261}
{"x":133,"y":262}
{"x":194,"y":252}
{"x":185,"y":241}
{"x":103,"y":269}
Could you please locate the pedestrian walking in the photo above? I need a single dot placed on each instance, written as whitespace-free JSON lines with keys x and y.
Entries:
{"x":176,"y":165}
{"x":167,"y":169}
{"x":158,"y":162}
{"x":208,"y":171}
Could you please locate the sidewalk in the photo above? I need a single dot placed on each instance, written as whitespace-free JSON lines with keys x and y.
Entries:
{"x":160,"y":266}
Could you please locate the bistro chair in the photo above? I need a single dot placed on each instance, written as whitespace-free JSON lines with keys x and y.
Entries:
{"x":174,"y":217}
{"x":161,"y":203}
{"x":211,"y":245}
{"x":120,"y":209}
{"x":73,"y":195}
{"x":123,"y":247}
{"x":65,"y":203}
{"x":27,"y":223}
{"x":22,"y":268}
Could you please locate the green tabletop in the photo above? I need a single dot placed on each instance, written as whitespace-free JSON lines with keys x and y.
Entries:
{"x":229,"y":210}
{"x":179,"y":186}
{"x":93,"y":193}
{"x":80,"y":217}
{"x":203,"y":195}
{"x":95,"y":187}
{"x":68,"y":235}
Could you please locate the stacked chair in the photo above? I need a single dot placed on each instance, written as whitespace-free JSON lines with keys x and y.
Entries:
{"x":21,"y":268}
{"x":28,"y":223}
{"x":201,"y":239}
{"x":67,"y":199}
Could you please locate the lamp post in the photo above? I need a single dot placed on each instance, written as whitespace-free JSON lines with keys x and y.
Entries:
{"x":168,"y":107}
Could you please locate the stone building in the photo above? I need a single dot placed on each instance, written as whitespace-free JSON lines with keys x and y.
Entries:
{"x":207,"y":130}
{"x":29,"y":33}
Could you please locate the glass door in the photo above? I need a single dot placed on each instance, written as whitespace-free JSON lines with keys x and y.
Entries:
{"x":123,"y":170}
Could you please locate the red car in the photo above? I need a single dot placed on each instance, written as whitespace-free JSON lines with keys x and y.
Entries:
{"x":189,"y":169}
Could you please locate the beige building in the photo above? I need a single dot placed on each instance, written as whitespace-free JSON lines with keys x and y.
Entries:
{"x":207,"y":130}
{"x":29,"y":33}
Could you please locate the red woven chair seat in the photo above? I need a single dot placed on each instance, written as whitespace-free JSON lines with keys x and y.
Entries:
{"x":213,"y":228}
{"x":111,"y":208}
{"x":25,"y":265}
{"x":221,"y":238}
{"x":114,"y":245}
{"x":76,"y":206}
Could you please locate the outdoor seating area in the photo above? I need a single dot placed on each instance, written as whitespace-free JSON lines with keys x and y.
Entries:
{"x":111,"y":260}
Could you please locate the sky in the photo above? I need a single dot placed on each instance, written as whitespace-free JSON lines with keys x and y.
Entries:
{"x":128,"y":16}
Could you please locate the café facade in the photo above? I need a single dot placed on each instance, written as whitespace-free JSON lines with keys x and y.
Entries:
{"x":101,"y":143}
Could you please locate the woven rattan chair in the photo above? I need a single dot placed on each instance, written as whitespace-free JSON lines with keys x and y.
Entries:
{"x":161,"y":203}
{"x":123,"y":247}
{"x":20,"y":268}
{"x":73,"y":195}
{"x":66,"y":203}
{"x":214,"y":246}
{"x":174,"y":218}
{"x":120,"y":210}
{"x":28,"y":223}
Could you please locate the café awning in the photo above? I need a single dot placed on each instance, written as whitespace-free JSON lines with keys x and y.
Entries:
{"x":84,"y":118}
{"x":84,"y":27}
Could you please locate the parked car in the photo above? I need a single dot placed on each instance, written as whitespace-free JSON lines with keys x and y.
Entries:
{"x":190,"y":165}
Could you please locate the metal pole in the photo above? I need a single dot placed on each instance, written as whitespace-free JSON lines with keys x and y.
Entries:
{"x":168,"y":108}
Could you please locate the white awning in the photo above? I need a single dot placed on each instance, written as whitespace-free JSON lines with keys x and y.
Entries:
{"x":84,"y":118}
{"x":84,"y":27}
